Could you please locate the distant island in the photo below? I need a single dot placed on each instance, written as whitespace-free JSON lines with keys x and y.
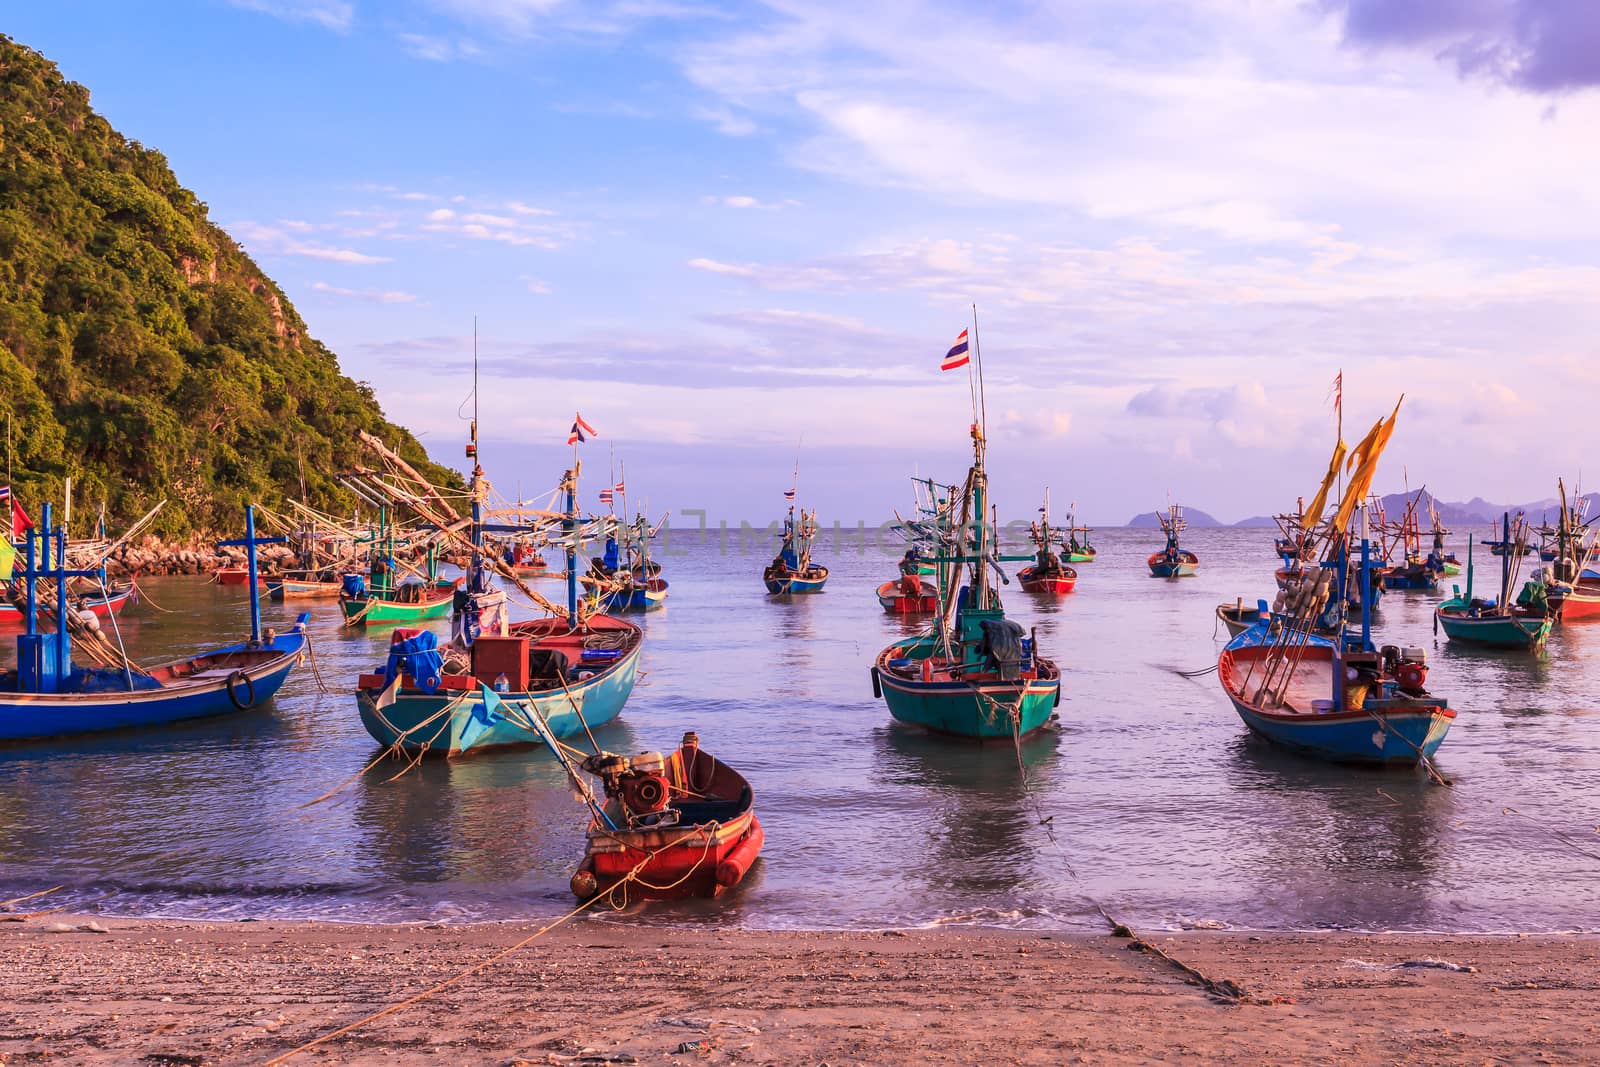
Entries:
{"x":1454,"y":515}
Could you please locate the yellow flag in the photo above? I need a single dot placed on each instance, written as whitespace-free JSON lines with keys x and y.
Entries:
{"x":1365,"y":461}
{"x":8,"y":559}
{"x":1313,"y":514}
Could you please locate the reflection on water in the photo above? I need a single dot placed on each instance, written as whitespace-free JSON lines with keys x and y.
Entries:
{"x":1166,"y":809}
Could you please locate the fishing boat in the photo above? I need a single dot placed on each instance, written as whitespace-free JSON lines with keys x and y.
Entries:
{"x":49,"y":695}
{"x":230,"y":575}
{"x":1572,"y":589}
{"x":792,"y":570}
{"x":671,"y":826}
{"x":1499,"y":623}
{"x":1445,"y":563}
{"x":974,"y":674}
{"x":1173,"y":561}
{"x":565,"y":674}
{"x":388,"y":602}
{"x":100,"y":603}
{"x":1238,"y":617}
{"x":1339,"y":698}
{"x":1414,"y":571}
{"x":1498,"y":546}
{"x":525,"y":560}
{"x":625,"y":578}
{"x":1077,"y":549}
{"x":909,"y":594}
{"x":1047,"y":574}
{"x":325,"y":584}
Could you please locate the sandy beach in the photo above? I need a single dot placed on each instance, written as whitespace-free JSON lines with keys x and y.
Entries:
{"x":170,"y":992}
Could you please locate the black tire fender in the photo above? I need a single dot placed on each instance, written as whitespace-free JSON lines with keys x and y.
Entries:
{"x":232,"y":686}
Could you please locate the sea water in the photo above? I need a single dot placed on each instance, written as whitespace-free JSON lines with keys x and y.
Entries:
{"x":1149,"y":797}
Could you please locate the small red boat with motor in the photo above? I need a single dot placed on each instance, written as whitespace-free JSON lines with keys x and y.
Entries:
{"x":671,"y":826}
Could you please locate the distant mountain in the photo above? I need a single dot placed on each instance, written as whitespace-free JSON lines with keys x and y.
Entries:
{"x":1480,"y":512}
{"x":1257,"y":521}
{"x":1196,"y":517}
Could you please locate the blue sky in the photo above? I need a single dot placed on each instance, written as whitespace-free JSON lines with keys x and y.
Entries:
{"x":722,"y":230}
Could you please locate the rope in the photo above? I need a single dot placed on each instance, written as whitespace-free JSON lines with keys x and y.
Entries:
{"x":31,"y":896}
{"x":1223,"y":989}
{"x":631,"y":876}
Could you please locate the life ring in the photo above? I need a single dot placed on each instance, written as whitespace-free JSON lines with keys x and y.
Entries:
{"x":232,"y":687}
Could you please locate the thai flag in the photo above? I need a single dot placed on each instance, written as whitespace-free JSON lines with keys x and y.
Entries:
{"x":619,"y":488}
{"x":581,"y":431}
{"x":606,"y":496}
{"x":788,"y":494}
{"x":957,"y":356}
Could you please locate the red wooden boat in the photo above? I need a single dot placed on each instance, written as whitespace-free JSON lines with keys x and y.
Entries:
{"x":682,"y":825}
{"x":908,"y":595}
{"x":14,"y":615}
{"x":1057,"y":583}
{"x":231,"y":576}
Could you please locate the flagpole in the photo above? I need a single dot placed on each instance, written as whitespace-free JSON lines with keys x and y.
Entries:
{"x":977,"y":355}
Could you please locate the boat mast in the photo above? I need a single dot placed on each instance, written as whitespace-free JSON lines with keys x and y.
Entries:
{"x":477,"y":487}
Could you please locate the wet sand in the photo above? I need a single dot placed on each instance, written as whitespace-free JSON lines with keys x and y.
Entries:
{"x":168,"y":992}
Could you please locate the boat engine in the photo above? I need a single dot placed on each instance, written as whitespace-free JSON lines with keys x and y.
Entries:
{"x":1412,"y":670}
{"x":639,"y":783}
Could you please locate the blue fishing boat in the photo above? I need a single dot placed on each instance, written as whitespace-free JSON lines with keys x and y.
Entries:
{"x":974,"y":674}
{"x":1173,"y":561}
{"x":1339,"y":698}
{"x":49,"y":695}
{"x":793,"y":570}
{"x":1497,"y":623}
{"x":624,"y":578}
{"x":506,"y":684}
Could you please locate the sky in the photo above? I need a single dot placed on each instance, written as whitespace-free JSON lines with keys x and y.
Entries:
{"x":737,"y":234}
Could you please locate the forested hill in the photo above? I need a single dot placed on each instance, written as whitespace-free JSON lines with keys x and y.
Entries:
{"x":142,"y":353}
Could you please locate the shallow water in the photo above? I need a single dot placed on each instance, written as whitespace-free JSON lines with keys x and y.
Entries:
{"x":1168,"y":812}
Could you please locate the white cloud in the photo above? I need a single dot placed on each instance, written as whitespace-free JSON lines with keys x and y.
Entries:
{"x":375,"y":296}
{"x":276,"y":240}
{"x":337,"y":15}
{"x":439,"y":49}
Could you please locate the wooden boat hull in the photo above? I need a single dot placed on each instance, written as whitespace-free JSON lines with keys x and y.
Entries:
{"x":299,"y":589}
{"x":649,"y":596}
{"x":231,"y":576}
{"x":710,"y":838}
{"x":1182,"y":567}
{"x":1497,"y":631}
{"x":894,"y":599}
{"x":1577,"y":604}
{"x":1238,"y":618}
{"x":220,"y":682}
{"x":978,"y":710}
{"x":14,"y":620}
{"x":374,"y":611}
{"x":1391,"y":732}
{"x":1086,"y":556}
{"x":784,"y":585}
{"x":1059,"y":584}
{"x":1416,"y":578}
{"x":451,"y":722}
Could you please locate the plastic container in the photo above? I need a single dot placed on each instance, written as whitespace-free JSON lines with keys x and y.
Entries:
{"x":1321,"y":707}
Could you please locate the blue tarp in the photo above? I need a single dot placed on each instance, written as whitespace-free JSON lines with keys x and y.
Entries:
{"x":419,"y":657}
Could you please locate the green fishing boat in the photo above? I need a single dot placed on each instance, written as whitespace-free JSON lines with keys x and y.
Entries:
{"x":388,"y":603}
{"x":974,"y":674}
{"x":1498,"y":623}
{"x":1077,"y":549}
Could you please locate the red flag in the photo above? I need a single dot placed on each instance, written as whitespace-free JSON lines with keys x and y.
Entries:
{"x":20,"y":523}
